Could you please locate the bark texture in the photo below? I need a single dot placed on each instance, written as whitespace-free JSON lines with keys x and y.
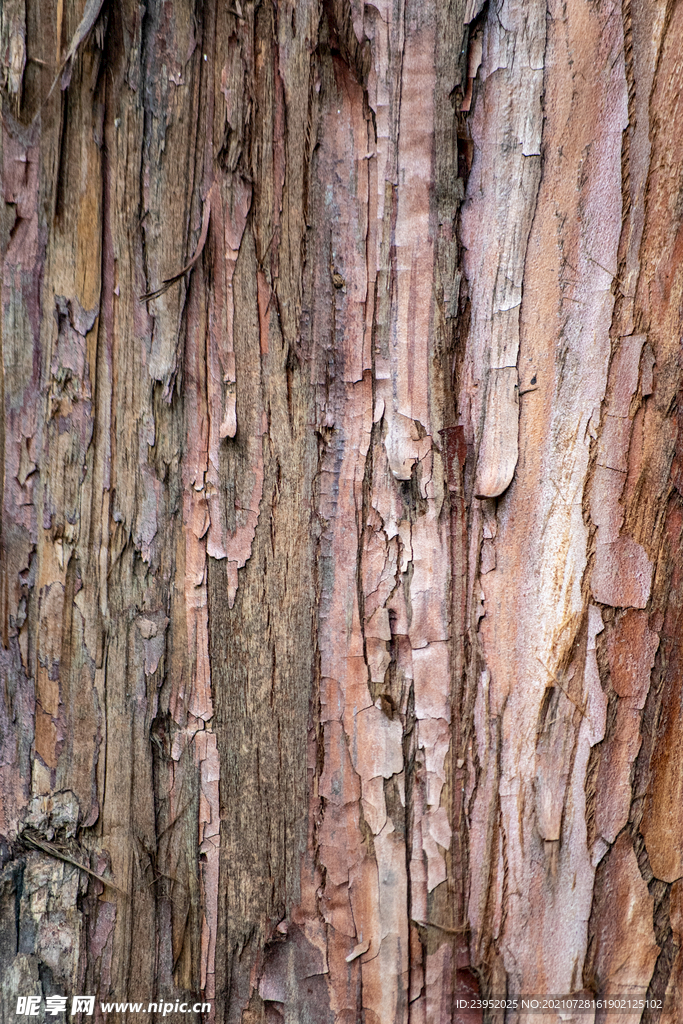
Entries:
{"x":341,"y":581}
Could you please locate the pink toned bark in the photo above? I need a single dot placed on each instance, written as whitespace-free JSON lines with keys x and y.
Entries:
{"x":341,"y":578}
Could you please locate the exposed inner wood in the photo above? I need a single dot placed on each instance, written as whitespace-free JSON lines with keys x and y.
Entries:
{"x":340,"y":547}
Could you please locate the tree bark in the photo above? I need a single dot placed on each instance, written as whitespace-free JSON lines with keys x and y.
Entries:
{"x":341,"y":577}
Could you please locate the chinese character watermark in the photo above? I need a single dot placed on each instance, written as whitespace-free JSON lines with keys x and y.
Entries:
{"x":28,"y":1006}
{"x":83,"y":1004}
{"x":55,"y":1005}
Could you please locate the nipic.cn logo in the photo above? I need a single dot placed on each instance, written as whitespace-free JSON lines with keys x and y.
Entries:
{"x":29,"y":1006}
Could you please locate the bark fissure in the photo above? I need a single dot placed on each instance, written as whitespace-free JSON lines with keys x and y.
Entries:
{"x":340,"y":574}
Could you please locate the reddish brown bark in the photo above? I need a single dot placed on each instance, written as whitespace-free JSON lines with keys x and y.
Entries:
{"x":341,"y":506}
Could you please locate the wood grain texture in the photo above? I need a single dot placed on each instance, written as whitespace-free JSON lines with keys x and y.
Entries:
{"x":340,"y":580}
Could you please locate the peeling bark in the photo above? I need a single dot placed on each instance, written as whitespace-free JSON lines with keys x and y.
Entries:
{"x":341,"y":507}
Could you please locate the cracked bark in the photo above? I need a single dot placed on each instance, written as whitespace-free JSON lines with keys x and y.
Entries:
{"x":341,"y":506}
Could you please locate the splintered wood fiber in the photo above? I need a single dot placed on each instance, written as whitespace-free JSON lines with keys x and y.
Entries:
{"x":341,"y":583}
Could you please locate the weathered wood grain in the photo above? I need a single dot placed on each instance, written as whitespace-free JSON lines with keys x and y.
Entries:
{"x":340,"y":579}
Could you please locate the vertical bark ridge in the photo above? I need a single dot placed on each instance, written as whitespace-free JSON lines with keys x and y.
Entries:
{"x":339,"y":602}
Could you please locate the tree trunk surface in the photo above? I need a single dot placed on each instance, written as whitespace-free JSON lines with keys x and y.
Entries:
{"x":341,"y":582}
